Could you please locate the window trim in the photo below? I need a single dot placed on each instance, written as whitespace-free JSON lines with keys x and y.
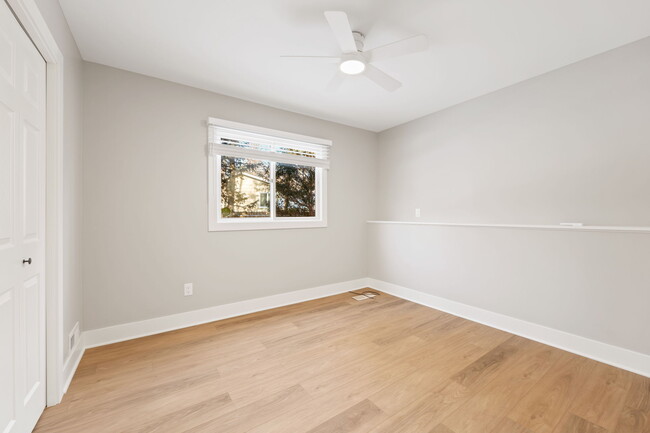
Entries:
{"x":217,"y":223}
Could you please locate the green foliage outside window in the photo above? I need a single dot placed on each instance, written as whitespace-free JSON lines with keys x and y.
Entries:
{"x":246,"y":186}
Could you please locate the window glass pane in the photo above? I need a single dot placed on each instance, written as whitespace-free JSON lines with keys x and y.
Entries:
{"x":295,"y":188}
{"x":245,"y":188}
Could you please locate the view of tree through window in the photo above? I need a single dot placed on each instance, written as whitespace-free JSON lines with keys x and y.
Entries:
{"x":295,"y":189}
{"x":246,"y":189}
{"x":244,"y":184}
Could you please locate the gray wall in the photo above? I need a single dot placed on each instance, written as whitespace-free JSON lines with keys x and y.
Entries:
{"x":569,"y":146}
{"x":72,"y":166}
{"x":145,"y":201}
{"x":586,"y":283}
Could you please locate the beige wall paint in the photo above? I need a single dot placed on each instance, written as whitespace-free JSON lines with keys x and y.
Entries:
{"x":72,"y":166}
{"x":145,"y":203}
{"x":570,"y":146}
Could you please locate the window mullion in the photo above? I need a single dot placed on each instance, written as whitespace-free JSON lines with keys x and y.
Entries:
{"x":272,"y":198}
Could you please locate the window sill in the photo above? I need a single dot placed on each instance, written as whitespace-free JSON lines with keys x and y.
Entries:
{"x":252,"y":225}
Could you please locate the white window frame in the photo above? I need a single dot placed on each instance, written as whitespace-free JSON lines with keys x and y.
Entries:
{"x":217,"y":223}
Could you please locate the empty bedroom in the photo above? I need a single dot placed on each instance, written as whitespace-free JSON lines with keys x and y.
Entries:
{"x":326,"y":216}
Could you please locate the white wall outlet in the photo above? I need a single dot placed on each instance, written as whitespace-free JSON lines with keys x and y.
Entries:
{"x":188,"y":289}
{"x":417,"y":212}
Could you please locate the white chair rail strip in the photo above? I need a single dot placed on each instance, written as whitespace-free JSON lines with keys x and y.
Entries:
{"x":584,"y":228}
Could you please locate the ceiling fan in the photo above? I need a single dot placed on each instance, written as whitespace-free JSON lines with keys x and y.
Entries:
{"x":354,"y":60}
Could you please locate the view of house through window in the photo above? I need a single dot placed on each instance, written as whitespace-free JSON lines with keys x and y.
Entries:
{"x":265,"y":179}
{"x":246,"y":189}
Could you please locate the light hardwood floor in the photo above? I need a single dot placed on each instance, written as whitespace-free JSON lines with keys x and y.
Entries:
{"x":339,"y":365}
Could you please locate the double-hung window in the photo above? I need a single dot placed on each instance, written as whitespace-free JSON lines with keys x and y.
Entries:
{"x":261,"y":178}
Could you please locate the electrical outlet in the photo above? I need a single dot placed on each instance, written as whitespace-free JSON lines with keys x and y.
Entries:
{"x":188,"y":289}
{"x":417,"y":212}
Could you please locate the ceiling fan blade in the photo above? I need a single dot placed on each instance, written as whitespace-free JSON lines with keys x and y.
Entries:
{"x":340,"y":25}
{"x":327,"y":59}
{"x":414,"y":44}
{"x":382,"y":79}
{"x":336,"y":82}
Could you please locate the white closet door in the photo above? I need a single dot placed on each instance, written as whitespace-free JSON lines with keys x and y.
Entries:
{"x":22,"y":228}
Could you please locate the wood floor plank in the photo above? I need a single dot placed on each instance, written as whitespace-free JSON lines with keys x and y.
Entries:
{"x":247,"y":417}
{"x":635,"y":415}
{"x":603,"y":396}
{"x":509,"y":426}
{"x":396,"y":396}
{"x":633,"y":420}
{"x":488,"y":362}
{"x":350,"y":360}
{"x":489,"y":405}
{"x":332,"y":342}
{"x":343,"y":390}
{"x":157,"y":397}
{"x":638,"y":396}
{"x":422,"y":410}
{"x":352,"y":420}
{"x":441,"y":428}
{"x":542,"y":409}
{"x":184,"y":418}
{"x":335,"y":364}
{"x":349,"y":387}
{"x":575,"y":424}
{"x":411,"y":414}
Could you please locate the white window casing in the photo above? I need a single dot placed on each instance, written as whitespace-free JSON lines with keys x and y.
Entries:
{"x":245,"y":141}
{"x":232,"y":139}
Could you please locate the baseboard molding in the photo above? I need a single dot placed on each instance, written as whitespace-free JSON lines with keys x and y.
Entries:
{"x":619,"y":357}
{"x":71,"y":363}
{"x":129,"y":331}
{"x":602,"y":352}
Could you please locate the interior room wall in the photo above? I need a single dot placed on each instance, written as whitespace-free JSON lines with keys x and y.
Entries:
{"x":569,"y":146}
{"x":72,"y":211}
{"x":145,"y":201}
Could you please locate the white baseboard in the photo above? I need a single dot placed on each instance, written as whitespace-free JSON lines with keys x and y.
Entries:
{"x":619,"y":357}
{"x":71,"y":363}
{"x":128,"y":331}
{"x":606,"y":353}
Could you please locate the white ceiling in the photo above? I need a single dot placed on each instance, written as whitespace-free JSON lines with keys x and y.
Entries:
{"x":233,"y":47}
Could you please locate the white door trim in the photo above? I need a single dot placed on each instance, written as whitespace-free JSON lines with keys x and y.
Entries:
{"x":36,"y":28}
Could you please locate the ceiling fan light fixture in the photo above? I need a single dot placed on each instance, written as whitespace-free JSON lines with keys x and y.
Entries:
{"x":354,"y":60}
{"x":352,"y":66}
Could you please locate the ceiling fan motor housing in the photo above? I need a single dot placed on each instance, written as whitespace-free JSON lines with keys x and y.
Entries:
{"x":358,"y":39}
